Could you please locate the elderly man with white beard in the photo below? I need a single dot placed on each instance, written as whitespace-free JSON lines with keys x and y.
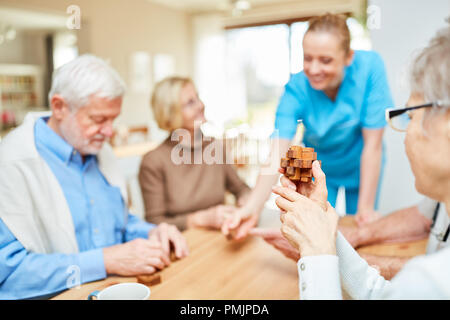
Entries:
{"x":63,"y":204}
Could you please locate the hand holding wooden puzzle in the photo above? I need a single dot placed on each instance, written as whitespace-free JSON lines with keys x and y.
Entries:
{"x":298,"y":164}
{"x":155,"y":278}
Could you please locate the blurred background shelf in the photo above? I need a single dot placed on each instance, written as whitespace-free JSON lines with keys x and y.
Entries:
{"x":21,"y":91}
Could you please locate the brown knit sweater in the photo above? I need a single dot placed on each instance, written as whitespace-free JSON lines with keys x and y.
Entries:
{"x":172,"y":191}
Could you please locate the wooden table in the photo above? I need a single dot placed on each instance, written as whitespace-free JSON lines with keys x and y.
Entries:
{"x":220,"y":269}
{"x":408,"y":249}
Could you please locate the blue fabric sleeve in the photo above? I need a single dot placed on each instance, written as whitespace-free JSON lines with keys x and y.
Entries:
{"x":137,"y":228}
{"x":91,"y":264}
{"x":378,"y":96}
{"x":288,"y":111}
{"x":29,"y":275}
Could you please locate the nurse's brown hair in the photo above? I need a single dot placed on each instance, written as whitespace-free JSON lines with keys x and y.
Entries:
{"x":332,"y":23}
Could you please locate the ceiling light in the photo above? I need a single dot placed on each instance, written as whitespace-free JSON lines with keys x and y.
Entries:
{"x":10,"y":33}
{"x":242,"y":5}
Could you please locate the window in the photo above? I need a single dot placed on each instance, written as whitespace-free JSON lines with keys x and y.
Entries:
{"x":257,"y":66}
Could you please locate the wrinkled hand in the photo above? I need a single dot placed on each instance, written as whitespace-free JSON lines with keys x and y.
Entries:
{"x":168,"y":236}
{"x":309,"y":221}
{"x":366,"y":216}
{"x":239,"y":224}
{"x":140,"y":256}
{"x":315,"y":190}
{"x":276,"y":239}
{"x":351,"y":234}
{"x":213,"y":217}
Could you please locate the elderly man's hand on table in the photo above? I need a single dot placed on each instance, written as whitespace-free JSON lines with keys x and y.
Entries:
{"x":139,"y":256}
{"x":145,"y":256}
{"x":309,"y":221}
{"x":170,"y":238}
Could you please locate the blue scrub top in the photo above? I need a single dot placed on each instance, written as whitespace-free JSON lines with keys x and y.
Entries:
{"x":334,"y":128}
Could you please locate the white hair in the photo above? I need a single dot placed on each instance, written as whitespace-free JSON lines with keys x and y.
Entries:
{"x":430,"y":72}
{"x":86,"y":75}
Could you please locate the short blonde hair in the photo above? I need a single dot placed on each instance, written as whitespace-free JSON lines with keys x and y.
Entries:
{"x":166,"y":102}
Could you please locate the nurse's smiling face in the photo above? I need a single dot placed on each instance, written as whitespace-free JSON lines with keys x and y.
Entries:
{"x":324,"y":60}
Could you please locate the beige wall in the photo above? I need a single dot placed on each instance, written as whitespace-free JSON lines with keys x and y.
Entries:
{"x":285,"y":10}
{"x":13,"y":51}
{"x":114,"y":29}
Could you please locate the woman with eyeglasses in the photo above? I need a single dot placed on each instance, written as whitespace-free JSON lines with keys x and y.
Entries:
{"x":340,"y":97}
{"x":184,"y":180}
{"x":310,"y":222}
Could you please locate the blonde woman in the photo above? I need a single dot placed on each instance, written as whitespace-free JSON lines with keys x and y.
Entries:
{"x":177,"y":187}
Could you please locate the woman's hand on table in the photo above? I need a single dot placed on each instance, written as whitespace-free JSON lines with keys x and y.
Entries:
{"x":213,"y":217}
{"x":238,"y":225}
{"x":309,"y":221}
{"x":365,"y":216}
{"x":351,"y":234}
{"x":275,"y":238}
{"x":243,"y":199}
{"x":170,"y":238}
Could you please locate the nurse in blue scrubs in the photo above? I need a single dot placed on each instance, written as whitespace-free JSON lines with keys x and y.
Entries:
{"x":340,"y":96}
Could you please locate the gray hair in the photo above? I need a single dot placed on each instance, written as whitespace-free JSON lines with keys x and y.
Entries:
{"x":430,"y":70}
{"x":86,"y":75}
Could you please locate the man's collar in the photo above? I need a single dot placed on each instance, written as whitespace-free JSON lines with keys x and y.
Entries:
{"x":52,"y":141}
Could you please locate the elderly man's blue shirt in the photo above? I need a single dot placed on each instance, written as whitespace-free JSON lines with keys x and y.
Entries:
{"x":99,"y":216}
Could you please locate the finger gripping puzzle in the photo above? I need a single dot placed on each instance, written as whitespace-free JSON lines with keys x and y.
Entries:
{"x":298,"y":163}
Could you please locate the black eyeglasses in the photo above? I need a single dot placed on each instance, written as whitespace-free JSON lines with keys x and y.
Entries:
{"x":440,"y":236}
{"x":398,"y":118}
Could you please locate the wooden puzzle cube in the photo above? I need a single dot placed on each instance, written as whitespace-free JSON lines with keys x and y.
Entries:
{"x":149,"y":279}
{"x":298,"y":163}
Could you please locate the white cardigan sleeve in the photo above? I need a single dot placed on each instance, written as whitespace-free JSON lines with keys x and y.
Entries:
{"x":319,"y":278}
{"x":359,"y":280}
{"x":424,"y":277}
{"x":319,"y":275}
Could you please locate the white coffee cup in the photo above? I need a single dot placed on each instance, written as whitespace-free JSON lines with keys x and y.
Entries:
{"x":122,"y":291}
